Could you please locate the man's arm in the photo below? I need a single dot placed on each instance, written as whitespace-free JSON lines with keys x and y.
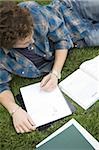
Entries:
{"x":7,"y":100}
{"x":50,"y":81}
{"x":62,"y":42}
{"x":60,"y":57}
{"x":21,"y":120}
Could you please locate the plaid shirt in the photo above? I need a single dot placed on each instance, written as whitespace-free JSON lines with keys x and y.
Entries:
{"x":56,"y":26}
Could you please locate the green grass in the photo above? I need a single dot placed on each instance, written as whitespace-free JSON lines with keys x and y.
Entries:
{"x":89,"y":119}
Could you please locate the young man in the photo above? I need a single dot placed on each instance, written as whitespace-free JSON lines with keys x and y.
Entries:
{"x":34,"y":41}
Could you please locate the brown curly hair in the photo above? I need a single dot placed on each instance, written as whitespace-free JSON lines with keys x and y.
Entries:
{"x":15,"y":23}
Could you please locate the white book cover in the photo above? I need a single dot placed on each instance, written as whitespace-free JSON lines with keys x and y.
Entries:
{"x":84,"y":132}
{"x":44,"y":107}
{"x":83,"y":85}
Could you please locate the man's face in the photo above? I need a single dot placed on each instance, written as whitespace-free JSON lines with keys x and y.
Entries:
{"x":23,"y":43}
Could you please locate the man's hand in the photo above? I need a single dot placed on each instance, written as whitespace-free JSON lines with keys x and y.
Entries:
{"x":22,"y":121}
{"x":49,"y":82}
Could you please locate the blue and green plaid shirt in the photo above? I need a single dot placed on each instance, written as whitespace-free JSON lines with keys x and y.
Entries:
{"x":56,"y":26}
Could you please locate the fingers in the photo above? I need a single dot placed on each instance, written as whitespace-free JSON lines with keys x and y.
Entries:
{"x":31,"y":122}
{"x":30,"y":126}
{"x":45,"y":80}
{"x":17,"y":130}
{"x":50,"y":84}
{"x":25,"y":127}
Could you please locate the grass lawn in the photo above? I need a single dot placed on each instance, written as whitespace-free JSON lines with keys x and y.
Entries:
{"x":89,"y":119}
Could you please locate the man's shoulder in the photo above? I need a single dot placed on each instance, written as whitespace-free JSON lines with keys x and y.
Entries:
{"x":32,"y":6}
{"x":28,"y":3}
{"x":35,"y":10}
{"x":40,"y":21}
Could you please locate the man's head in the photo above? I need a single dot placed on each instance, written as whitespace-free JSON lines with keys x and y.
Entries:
{"x":16,"y":26}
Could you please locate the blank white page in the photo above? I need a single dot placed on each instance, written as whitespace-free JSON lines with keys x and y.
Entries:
{"x":44,"y":107}
{"x":80,"y":87}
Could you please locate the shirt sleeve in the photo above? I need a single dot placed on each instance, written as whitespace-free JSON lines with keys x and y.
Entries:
{"x":58,"y":33}
{"x":5,"y":77}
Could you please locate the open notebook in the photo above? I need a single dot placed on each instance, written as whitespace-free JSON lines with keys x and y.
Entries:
{"x":83,"y":84}
{"x":71,"y":136}
{"x":44,"y":107}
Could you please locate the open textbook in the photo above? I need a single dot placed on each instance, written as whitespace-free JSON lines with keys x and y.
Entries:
{"x":83,"y":84}
{"x":71,"y":136}
{"x":44,"y":107}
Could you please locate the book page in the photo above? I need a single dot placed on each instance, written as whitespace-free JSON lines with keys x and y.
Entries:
{"x":80,"y":87}
{"x":44,"y":107}
{"x":91,"y":67}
